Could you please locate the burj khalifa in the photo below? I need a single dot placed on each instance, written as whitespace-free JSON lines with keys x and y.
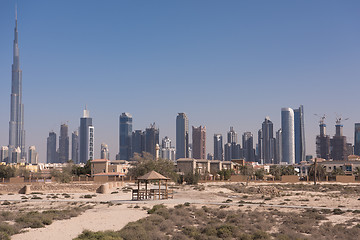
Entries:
{"x":16,"y":124}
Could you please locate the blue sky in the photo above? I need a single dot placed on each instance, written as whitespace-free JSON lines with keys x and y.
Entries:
{"x":224,"y":63}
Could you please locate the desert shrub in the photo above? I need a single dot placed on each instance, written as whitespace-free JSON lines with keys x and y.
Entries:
{"x":101,"y":235}
{"x":155,"y":208}
{"x":191,"y":178}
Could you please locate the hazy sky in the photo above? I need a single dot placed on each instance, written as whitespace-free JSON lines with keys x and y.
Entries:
{"x":224,"y":63}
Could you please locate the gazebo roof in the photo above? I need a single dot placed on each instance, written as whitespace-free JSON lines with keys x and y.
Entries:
{"x":153,"y":176}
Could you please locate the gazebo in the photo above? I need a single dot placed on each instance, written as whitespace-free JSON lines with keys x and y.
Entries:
{"x":144,"y":194}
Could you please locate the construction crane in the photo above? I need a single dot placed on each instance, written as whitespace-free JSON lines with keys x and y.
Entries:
{"x":339,"y":119}
{"x":322,"y":118}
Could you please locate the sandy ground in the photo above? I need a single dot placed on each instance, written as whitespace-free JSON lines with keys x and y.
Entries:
{"x":100,"y":218}
{"x":121,"y":211}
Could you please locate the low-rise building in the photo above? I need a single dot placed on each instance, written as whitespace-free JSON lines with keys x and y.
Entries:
{"x":107,"y":167}
{"x":203,"y":166}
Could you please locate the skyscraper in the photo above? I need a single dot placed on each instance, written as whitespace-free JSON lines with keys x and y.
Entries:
{"x":104,"y":152}
{"x":125,"y":136}
{"x":323,"y":142}
{"x":268,"y":141}
{"x":86,"y":138}
{"x":51,"y":154}
{"x":167,"y":151}
{"x":4,"y":154}
{"x":75,"y":146}
{"x":16,"y":124}
{"x":248,"y":147}
{"x":33,"y":155}
{"x":63,"y":144}
{"x":288,"y":135}
{"x":299,"y":134}
{"x":357,"y":139}
{"x":151,"y":139}
{"x":182,"y":136}
{"x":339,"y":148}
{"x":235,"y":148}
{"x":138,"y":142}
{"x":278,"y":147}
{"x":259,"y":152}
{"x":218,"y":147}
{"x":199,"y":142}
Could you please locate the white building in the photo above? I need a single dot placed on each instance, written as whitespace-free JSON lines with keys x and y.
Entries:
{"x":33,"y":155}
{"x":288,"y":135}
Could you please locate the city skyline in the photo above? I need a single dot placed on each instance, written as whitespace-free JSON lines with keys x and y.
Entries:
{"x":221,"y":70}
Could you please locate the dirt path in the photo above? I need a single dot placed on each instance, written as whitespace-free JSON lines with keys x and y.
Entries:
{"x":98,"y":219}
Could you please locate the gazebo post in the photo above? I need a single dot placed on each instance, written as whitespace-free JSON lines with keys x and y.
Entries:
{"x":159,"y":188}
{"x":138,"y":190}
{"x":146,"y":189}
{"x":166,"y":190}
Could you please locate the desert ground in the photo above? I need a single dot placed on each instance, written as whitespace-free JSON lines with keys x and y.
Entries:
{"x":112,"y":211}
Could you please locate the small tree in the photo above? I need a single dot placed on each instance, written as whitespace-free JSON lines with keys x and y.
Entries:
{"x":192,"y":178}
{"x":7,"y":171}
{"x":248,"y":171}
{"x":260,"y":173}
{"x":146,"y":163}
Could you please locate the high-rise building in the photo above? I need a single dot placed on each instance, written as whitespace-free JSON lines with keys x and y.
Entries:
{"x":64,"y":144}
{"x":357,"y":139}
{"x":86,"y":138}
{"x":182,"y":136}
{"x":236,"y":152}
{"x":16,"y":155}
{"x":278,"y":147}
{"x":299,"y":134}
{"x":4,"y":154}
{"x":268,"y":141}
{"x":323,"y":142}
{"x":125,"y":136}
{"x":16,"y":124}
{"x":199,"y":142}
{"x":227,"y":152}
{"x":218,"y":147}
{"x":104,"y":152}
{"x":259,"y":152}
{"x":288,"y":135}
{"x":33,"y":155}
{"x":339,"y":148}
{"x":248,"y":147}
{"x":138,"y":142}
{"x":75,"y":147}
{"x":151,"y":139}
{"x":167,"y":151}
{"x":51,"y":154}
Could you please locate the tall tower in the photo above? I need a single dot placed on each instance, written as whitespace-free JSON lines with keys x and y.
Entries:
{"x":104,"y":152}
{"x":299,"y":134}
{"x":199,"y":142}
{"x":151,"y":139}
{"x":16,"y":124}
{"x":357,"y":139}
{"x":51,"y":154}
{"x":86,"y":138}
{"x":248,"y":147}
{"x":75,"y":146}
{"x":125,"y":136}
{"x":182,"y":136}
{"x":63,"y":144}
{"x":323,"y":141}
{"x":268,"y":141}
{"x":288,"y":135}
{"x":218,"y":147}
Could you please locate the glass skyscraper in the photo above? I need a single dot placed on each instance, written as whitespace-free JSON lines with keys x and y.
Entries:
{"x":218,"y":147}
{"x":125,"y":136}
{"x":357,"y":139}
{"x":86,"y":138}
{"x":299,"y":134}
{"x":182,"y":136}
{"x":288,"y":135}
